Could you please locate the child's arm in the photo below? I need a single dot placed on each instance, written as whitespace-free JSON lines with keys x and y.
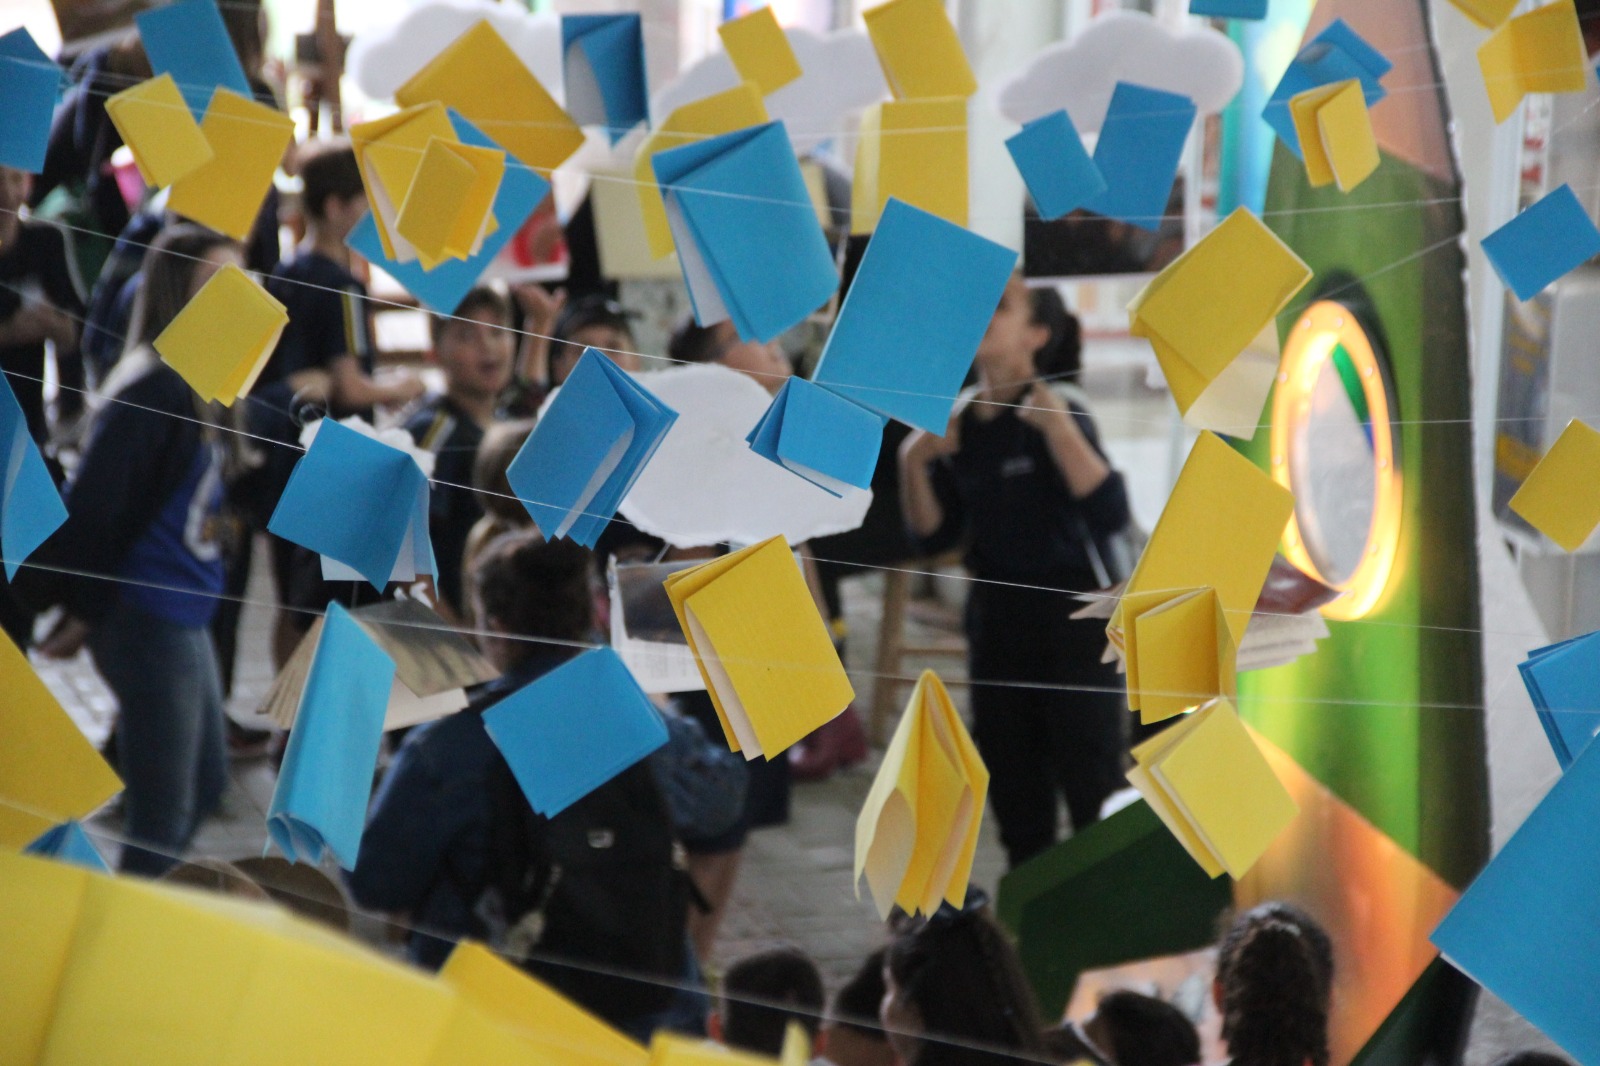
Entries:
{"x":1080,"y":464}
{"x":919,"y":502}
{"x":540,"y":309}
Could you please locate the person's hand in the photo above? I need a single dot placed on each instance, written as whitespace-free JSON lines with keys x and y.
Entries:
{"x":65,"y":640}
{"x":403,"y":384}
{"x":540,"y":307}
{"x":1046,"y":411}
{"x":924,"y":447}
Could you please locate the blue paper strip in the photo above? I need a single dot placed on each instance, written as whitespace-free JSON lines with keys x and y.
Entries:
{"x":30,"y":504}
{"x":613,"y":47}
{"x":29,"y":84}
{"x":1060,"y":174}
{"x":69,"y":843}
{"x":1229,"y":9}
{"x":1563,"y":680}
{"x":189,"y":41}
{"x":1549,"y":239}
{"x":809,"y":429}
{"x":1141,"y":143}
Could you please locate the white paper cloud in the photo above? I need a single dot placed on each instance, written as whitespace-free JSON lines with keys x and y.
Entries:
{"x":382,"y":60}
{"x":840,"y":75}
{"x":1080,"y":74}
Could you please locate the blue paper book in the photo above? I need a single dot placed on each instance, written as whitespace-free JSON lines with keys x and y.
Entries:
{"x":572,"y":730}
{"x":910,"y":325}
{"x":590,"y":445}
{"x":1229,"y":9}
{"x":69,"y":843}
{"x":1338,"y":53}
{"x":1549,"y":239}
{"x":30,"y":505}
{"x":1528,"y":929}
{"x":29,"y":84}
{"x":443,"y":287}
{"x":189,"y":41}
{"x":830,"y":441}
{"x":320,"y":803}
{"x":359,"y":502}
{"x":1140,"y":146}
{"x":1563,"y":680}
{"x":1060,"y":174}
{"x":748,"y":238}
{"x":604,"y":73}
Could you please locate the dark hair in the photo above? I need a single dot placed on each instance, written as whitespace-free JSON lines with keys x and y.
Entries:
{"x":780,"y":975}
{"x":1532,"y":1058}
{"x":166,"y":272}
{"x":1062,"y":356}
{"x":595,"y":309}
{"x":855,"y":1006}
{"x":535,"y":587}
{"x":501,"y":443}
{"x":1275,"y":970}
{"x":966,"y":982}
{"x":1145,"y":1031}
{"x":242,"y":19}
{"x":693,"y":343}
{"x":478,"y":298}
{"x":328,"y":171}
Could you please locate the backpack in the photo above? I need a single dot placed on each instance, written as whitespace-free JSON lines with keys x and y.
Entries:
{"x":594,"y":901}
{"x":704,"y":783}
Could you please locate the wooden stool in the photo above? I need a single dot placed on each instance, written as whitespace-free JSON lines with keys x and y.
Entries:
{"x":893,"y":649}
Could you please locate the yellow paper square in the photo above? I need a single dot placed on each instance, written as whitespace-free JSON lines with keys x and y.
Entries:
{"x":1486,"y":13}
{"x":223,"y":337}
{"x":1538,"y":52}
{"x":1335,"y":134}
{"x":159,"y":130}
{"x":916,"y":151}
{"x":769,"y":662}
{"x":448,"y":201}
{"x":389,"y":152}
{"x":1161,"y":801}
{"x":40,"y":901}
{"x":760,"y":50}
{"x":479,"y":76}
{"x":919,"y":50}
{"x":735,"y":109}
{"x":247,"y":142}
{"x":49,"y":772}
{"x":1561,"y":496}
{"x":1186,"y":656}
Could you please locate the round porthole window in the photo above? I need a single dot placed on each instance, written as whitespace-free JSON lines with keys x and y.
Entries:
{"x":1333,"y":446}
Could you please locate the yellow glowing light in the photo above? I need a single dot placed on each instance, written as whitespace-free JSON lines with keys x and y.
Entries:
{"x":1325,"y":326}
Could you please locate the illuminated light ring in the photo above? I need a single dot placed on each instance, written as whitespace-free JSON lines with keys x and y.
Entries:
{"x":1326,"y":325}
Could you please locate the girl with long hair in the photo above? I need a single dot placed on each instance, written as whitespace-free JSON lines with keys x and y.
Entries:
{"x":1274,"y":986}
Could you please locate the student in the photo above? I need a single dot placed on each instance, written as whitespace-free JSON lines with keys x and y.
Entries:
{"x":761,"y":995}
{"x":1273,"y":987}
{"x":1021,"y":471}
{"x":556,"y":333}
{"x":1129,"y":1029}
{"x":142,"y":518}
{"x":452,"y":843}
{"x":955,"y":994}
{"x":473,"y":347}
{"x":852,"y":1032}
{"x":502,"y":511}
{"x":765,"y":364}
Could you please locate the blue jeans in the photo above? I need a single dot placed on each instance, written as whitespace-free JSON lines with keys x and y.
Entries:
{"x":170,"y":749}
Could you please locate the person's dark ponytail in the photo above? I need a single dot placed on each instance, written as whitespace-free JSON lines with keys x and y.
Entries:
{"x":1275,"y":968}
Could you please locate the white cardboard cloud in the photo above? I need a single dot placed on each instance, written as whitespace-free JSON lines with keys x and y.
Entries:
{"x":1080,"y":74}
{"x":382,"y":60}
{"x":840,"y":75}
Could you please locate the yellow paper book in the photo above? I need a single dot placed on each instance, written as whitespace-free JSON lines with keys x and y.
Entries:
{"x":760,"y":50}
{"x":915,"y":150}
{"x":1209,"y":782}
{"x":1335,"y":134}
{"x":472,"y":1038}
{"x":49,"y":772}
{"x":1208,"y":306}
{"x":766,"y":656}
{"x":1486,"y":13}
{"x":919,"y":50}
{"x":1561,"y":495}
{"x":1220,"y":529}
{"x":796,"y":1050}
{"x":479,"y":76}
{"x":570,"y":1034}
{"x":918,"y":830}
{"x":389,"y":152}
{"x":223,"y":337}
{"x":667,"y":1049}
{"x":247,"y":142}
{"x":1180,"y":654}
{"x":1539,"y":52}
{"x":447,"y":207}
{"x":724,"y":112}
{"x":159,"y":130}
{"x":40,"y":903}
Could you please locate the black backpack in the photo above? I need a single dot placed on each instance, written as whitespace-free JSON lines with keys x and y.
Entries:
{"x":594,"y":901}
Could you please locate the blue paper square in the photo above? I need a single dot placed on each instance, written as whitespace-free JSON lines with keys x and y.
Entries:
{"x":1060,"y":174}
{"x":1336,"y":54}
{"x":352,"y":499}
{"x":572,"y":730}
{"x":1528,"y":929}
{"x":189,"y":41}
{"x":589,"y":447}
{"x":814,"y":432}
{"x":1563,"y":680}
{"x":29,"y":85}
{"x":1549,"y":239}
{"x":30,"y":504}
{"x":70,"y":844}
{"x":1229,"y":9}
{"x":606,"y":85}
{"x":320,"y":802}
{"x":443,"y":287}
{"x":1141,"y":143}
{"x":911,"y":323}
{"x":747,"y":232}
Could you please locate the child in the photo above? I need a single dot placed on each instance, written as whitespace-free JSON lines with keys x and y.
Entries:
{"x":761,"y":995}
{"x":502,"y":511}
{"x":1274,"y":987}
{"x":765,"y":364}
{"x":473,"y":347}
{"x":592,"y":321}
{"x":1021,"y":471}
{"x":852,"y":1032}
